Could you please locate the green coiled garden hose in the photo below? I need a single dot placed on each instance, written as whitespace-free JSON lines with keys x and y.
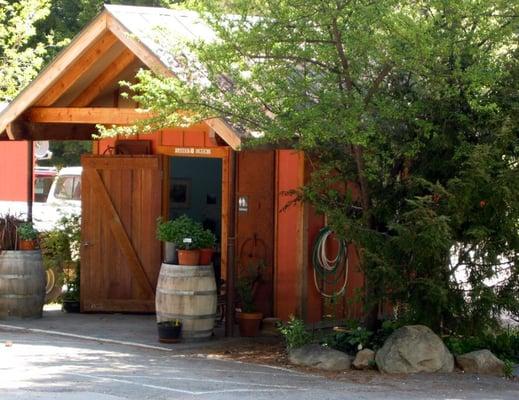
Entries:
{"x":329,"y":270}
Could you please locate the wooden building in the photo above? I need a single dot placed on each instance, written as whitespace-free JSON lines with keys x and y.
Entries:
{"x":198,"y":171}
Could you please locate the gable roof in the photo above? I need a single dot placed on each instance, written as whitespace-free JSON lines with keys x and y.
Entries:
{"x":148,"y":32}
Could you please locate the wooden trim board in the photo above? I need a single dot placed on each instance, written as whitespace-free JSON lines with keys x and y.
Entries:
{"x":86,"y":115}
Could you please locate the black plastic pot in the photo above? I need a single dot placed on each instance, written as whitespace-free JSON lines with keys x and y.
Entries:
{"x":70,"y":306}
{"x":169,"y":333}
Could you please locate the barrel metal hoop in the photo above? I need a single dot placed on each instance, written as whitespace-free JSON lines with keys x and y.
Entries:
{"x":15,"y":276}
{"x":19,"y":296}
{"x":163,"y":315}
{"x":199,"y":274}
{"x":186,"y":292}
{"x":192,"y":333}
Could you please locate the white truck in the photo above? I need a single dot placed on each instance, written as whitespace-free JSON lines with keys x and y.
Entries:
{"x":63,"y":198}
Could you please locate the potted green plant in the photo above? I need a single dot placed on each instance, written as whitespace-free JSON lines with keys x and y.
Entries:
{"x":185,"y":233}
{"x":166,"y":233}
{"x":28,"y":236}
{"x":169,"y":331}
{"x":206,"y":242}
{"x":248,"y":318}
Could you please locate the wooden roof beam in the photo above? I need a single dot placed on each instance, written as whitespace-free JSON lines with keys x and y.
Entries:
{"x":225,"y":132}
{"x":55,"y":69}
{"x":72,"y":74}
{"x":32,"y":131}
{"x":104,"y":79}
{"x":87,"y":115}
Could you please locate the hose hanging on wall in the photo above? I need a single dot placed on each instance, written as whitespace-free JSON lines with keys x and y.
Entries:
{"x":329,"y":270}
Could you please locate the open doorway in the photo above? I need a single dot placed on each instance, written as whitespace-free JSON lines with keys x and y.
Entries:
{"x":195,"y":189}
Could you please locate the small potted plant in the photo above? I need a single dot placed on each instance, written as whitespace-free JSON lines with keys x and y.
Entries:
{"x":206,"y":242}
{"x":169,"y":331}
{"x":28,"y":236}
{"x":248,"y":318}
{"x":166,"y":234}
{"x":185,"y":233}
{"x":71,"y":296}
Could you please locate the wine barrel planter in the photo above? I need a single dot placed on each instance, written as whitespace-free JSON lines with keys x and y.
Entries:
{"x":22,"y":284}
{"x":187,"y":293}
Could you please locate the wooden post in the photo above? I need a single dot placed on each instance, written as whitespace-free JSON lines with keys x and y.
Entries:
{"x":30,"y":179}
{"x":231,"y":245}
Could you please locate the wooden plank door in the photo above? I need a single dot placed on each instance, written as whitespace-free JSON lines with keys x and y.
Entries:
{"x":120,"y":256}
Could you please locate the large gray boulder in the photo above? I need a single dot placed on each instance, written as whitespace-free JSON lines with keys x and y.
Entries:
{"x":480,"y":362}
{"x":316,"y":356}
{"x":412,"y":349}
{"x":364,"y":359}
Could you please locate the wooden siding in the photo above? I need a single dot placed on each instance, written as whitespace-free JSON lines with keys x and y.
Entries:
{"x":255,"y":228}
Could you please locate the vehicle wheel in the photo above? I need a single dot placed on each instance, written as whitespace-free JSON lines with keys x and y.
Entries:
{"x":52,"y":285}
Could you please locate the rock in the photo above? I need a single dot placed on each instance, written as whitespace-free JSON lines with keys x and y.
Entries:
{"x":364,"y":359}
{"x":316,"y":356}
{"x":480,"y":362}
{"x":414,"y":348}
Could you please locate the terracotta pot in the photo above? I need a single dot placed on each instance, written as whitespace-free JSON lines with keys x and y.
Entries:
{"x":249,"y":323}
{"x":188,"y":257}
{"x":206,"y":256}
{"x":27,"y":244}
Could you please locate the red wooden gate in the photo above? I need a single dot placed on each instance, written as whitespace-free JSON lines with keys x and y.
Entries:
{"x":120,"y":256}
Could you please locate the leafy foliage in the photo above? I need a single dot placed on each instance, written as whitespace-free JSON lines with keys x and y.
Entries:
{"x":66,"y":153}
{"x":250,"y":278}
{"x":20,"y":59}
{"x":26,"y":231}
{"x":354,"y":337}
{"x":206,"y":239}
{"x":179,"y":229}
{"x":294,"y":333}
{"x":408,"y":113}
{"x":504,"y":345}
{"x":351,"y":341}
{"x":60,"y":250}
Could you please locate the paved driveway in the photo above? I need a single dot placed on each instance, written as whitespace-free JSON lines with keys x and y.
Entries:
{"x":45,"y":367}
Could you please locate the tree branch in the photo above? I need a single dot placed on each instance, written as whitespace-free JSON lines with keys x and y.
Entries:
{"x":337,"y":38}
{"x":376,"y":83}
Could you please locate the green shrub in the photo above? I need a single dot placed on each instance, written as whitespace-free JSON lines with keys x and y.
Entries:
{"x":504,"y":344}
{"x":355,"y":338}
{"x":206,"y":239}
{"x":179,"y":229}
{"x":295,"y":334}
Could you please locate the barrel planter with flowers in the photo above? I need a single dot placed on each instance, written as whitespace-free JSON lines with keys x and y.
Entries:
{"x":22,"y":277}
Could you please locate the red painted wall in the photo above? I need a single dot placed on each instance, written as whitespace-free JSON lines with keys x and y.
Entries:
{"x":297,"y":228}
{"x":13,"y":171}
{"x":289,"y":246}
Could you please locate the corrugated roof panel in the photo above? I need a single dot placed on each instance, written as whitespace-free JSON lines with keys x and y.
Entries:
{"x":160,"y":28}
